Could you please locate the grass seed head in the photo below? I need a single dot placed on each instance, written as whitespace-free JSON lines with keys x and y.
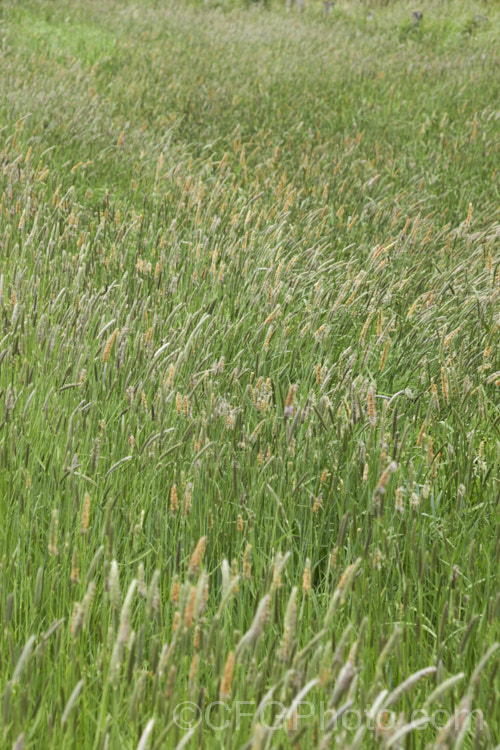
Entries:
{"x":227,"y":677}
{"x":197,"y":557}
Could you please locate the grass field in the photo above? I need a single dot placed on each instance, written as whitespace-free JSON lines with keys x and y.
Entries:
{"x":249,"y":376}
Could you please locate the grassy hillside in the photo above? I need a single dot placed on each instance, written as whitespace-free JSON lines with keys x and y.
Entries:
{"x":249,"y":376}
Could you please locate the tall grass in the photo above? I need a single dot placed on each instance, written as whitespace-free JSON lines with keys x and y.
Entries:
{"x":249,"y":376}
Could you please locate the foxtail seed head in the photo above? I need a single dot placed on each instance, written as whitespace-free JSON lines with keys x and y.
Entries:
{"x":197,"y":556}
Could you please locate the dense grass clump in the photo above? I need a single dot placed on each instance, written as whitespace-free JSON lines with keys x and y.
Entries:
{"x":249,"y":376}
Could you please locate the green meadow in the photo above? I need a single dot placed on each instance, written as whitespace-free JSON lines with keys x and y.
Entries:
{"x":249,"y":375}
